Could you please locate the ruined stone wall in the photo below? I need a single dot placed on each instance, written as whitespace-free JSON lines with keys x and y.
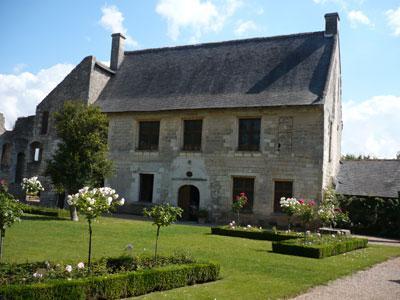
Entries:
{"x":291,"y":148}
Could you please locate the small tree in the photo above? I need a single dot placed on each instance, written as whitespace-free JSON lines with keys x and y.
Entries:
{"x":81,"y":157}
{"x":237,"y":205}
{"x":93,"y":203}
{"x":10,"y":212}
{"x":289,"y":207}
{"x":162,"y":215}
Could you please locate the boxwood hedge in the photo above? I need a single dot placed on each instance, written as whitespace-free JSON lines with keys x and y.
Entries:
{"x":295,"y":247}
{"x":267,"y":235}
{"x":116,"y":286}
{"x":45,"y":211}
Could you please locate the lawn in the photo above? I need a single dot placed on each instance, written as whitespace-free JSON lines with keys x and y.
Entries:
{"x":248,"y":267}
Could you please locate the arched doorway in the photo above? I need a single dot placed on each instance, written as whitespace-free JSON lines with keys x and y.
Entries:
{"x":20,"y":167}
{"x":188,"y":200}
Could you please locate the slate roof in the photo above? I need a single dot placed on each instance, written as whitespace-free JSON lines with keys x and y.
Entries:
{"x":380,"y":178}
{"x":272,"y":71}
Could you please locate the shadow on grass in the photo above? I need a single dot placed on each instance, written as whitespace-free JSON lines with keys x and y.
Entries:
{"x":42,"y":218}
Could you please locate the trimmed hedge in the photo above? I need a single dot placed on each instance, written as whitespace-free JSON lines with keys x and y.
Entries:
{"x":116,"y":286}
{"x":45,"y":211}
{"x":266,"y":235}
{"x":293,"y":247}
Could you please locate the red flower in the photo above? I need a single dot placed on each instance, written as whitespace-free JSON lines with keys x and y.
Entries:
{"x":338,"y":209}
{"x":311,"y":203}
{"x":301,"y":201}
{"x":242,"y":194}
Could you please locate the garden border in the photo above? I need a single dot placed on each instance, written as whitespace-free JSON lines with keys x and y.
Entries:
{"x":118,"y":286}
{"x":45,"y":211}
{"x":265,"y":235}
{"x":318,"y":251}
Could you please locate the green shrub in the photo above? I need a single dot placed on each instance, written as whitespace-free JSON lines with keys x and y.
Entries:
{"x":116,"y":286}
{"x":297,"y":247}
{"x":45,"y":211}
{"x":373,"y":215}
{"x":266,"y":235}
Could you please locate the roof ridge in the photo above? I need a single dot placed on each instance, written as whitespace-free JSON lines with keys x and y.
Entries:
{"x":215,"y":44}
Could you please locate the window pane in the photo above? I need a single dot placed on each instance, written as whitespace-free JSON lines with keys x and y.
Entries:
{"x":244,"y":185}
{"x":37,"y":154}
{"x":192,"y":135}
{"x":146,"y":187}
{"x":149,"y":135}
{"x":249,"y":134}
{"x":282,"y":189}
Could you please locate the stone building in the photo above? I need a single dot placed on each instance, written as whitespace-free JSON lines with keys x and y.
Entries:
{"x":196,"y":125}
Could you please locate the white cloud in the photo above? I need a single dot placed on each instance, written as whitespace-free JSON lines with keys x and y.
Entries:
{"x":357,"y":17}
{"x":20,"y":93}
{"x":372,"y":126}
{"x":198,"y":16}
{"x":112,"y":19}
{"x":393,"y":19}
{"x":244,"y":27}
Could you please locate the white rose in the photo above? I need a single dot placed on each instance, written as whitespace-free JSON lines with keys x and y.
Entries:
{"x":81,"y":265}
{"x":68,"y":268}
{"x":121,"y":201}
{"x":109,"y":200}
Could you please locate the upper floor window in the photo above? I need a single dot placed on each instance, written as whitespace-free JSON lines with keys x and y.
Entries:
{"x":192,"y":135}
{"x":249,"y":134}
{"x":6,"y":156}
{"x":244,"y":185}
{"x":149,"y":132}
{"x":44,"y":123}
{"x":36,"y":152}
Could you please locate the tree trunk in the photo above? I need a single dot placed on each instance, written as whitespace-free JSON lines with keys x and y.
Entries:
{"x":155,"y":250}
{"x":2,"y":235}
{"x":90,"y":244}
{"x":73,"y":213}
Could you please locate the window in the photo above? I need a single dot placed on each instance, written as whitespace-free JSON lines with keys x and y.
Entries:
{"x":244,"y":185}
{"x":192,"y":135}
{"x":249,"y":134}
{"x":45,"y":122}
{"x":149,"y":132}
{"x":36,"y":152}
{"x":282,"y":189}
{"x":146,"y":187}
{"x":6,"y":156}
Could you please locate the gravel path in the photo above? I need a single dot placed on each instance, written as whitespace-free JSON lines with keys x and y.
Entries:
{"x":379,"y":282}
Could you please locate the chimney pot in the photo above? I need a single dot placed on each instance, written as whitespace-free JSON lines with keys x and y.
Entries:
{"x":117,"y":50}
{"x":331,"y":24}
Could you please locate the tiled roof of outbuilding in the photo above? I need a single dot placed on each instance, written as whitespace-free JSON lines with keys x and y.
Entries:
{"x":379,"y":178}
{"x":272,"y":71}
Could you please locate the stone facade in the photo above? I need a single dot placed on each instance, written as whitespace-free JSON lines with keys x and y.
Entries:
{"x":299,"y":135}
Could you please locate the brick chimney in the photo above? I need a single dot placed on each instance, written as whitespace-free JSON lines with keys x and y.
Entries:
{"x":331,"y":24}
{"x":117,"y":50}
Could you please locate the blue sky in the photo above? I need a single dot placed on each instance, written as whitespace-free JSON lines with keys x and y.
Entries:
{"x":41,"y":40}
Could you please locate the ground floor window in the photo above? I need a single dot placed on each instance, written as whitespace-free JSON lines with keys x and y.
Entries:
{"x":244,"y":185}
{"x":282,"y":189}
{"x":146,"y":187}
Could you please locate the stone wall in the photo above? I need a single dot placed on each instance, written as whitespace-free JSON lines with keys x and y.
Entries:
{"x":298,"y":130}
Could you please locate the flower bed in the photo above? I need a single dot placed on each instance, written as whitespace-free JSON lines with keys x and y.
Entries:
{"x":109,"y":278}
{"x":255,"y":233}
{"x":317,"y":246}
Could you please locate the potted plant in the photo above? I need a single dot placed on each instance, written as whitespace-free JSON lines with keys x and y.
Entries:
{"x":32,"y":188}
{"x":202,"y":216}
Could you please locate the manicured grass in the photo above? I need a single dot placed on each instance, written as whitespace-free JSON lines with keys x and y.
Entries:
{"x":249,"y":269}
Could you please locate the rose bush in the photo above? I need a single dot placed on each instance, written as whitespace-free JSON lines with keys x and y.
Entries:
{"x":237,"y":205}
{"x":10,"y":212}
{"x":32,"y":186}
{"x":93,"y":203}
